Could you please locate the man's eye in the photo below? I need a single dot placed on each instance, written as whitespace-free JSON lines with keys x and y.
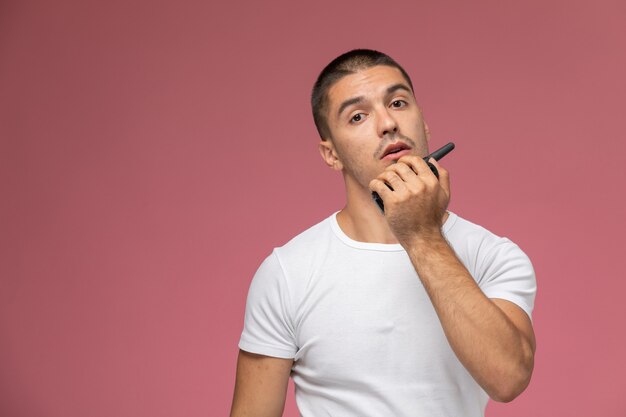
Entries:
{"x":398,"y":103}
{"x":356,"y":118}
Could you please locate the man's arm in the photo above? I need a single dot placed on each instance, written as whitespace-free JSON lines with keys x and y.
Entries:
{"x":493,"y":339}
{"x":260,"y":386}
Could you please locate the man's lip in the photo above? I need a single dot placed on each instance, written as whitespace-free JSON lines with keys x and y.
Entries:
{"x":398,"y":149}
{"x":396,"y":155}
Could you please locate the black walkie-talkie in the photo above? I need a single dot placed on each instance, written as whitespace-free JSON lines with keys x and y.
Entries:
{"x":437,"y":155}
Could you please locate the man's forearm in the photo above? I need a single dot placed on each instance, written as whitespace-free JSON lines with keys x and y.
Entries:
{"x":484,"y":339}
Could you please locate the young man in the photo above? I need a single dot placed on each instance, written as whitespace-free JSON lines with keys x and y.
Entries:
{"x":410,"y":312}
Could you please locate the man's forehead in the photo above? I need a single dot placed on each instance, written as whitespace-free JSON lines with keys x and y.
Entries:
{"x":367,"y":82}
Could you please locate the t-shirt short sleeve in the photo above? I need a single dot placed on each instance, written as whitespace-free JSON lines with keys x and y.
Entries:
{"x":507,"y":273}
{"x":268,"y":327}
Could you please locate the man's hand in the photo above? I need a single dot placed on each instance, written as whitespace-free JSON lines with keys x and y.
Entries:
{"x":415,"y":201}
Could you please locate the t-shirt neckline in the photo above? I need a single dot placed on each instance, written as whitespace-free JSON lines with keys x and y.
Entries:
{"x":384,"y":247}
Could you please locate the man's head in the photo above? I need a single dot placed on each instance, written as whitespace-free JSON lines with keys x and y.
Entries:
{"x":367,"y":115}
{"x":345,"y":64}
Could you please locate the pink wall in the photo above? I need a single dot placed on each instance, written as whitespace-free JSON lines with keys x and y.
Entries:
{"x":152,"y":154}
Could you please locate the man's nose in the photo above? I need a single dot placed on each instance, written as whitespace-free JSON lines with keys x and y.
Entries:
{"x":387,"y":124}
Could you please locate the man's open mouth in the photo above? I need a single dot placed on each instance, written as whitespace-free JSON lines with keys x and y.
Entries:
{"x":395,"y":148}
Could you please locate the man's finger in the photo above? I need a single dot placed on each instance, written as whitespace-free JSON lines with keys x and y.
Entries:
{"x":419,"y":166}
{"x":380,"y":187}
{"x":393,"y":180}
{"x":403,"y":170}
{"x":444,"y":177}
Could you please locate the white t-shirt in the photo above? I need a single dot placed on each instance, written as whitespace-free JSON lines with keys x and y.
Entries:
{"x":357,"y":321}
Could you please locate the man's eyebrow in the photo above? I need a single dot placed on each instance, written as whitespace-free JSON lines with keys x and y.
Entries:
{"x":359,"y":99}
{"x":399,"y":86}
{"x":349,"y":102}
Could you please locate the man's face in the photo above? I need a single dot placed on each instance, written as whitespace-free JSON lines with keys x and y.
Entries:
{"x":373,"y":120}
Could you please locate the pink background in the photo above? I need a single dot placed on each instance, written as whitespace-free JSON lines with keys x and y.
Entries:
{"x":152,"y":153}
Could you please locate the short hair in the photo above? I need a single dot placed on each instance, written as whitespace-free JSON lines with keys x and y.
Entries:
{"x":348,"y":63}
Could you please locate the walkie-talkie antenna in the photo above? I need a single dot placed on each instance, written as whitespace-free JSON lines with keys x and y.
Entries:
{"x":441,"y":152}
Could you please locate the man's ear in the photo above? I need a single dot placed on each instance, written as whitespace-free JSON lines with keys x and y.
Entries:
{"x":427,"y":130}
{"x":329,"y":155}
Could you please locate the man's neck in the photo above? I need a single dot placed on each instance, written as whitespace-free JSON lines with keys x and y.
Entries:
{"x":362,"y":220}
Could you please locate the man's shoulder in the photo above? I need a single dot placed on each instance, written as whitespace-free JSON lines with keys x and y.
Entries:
{"x":464,"y":233}
{"x":478,"y":247}
{"x":307,"y":241}
{"x":304,"y":252}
